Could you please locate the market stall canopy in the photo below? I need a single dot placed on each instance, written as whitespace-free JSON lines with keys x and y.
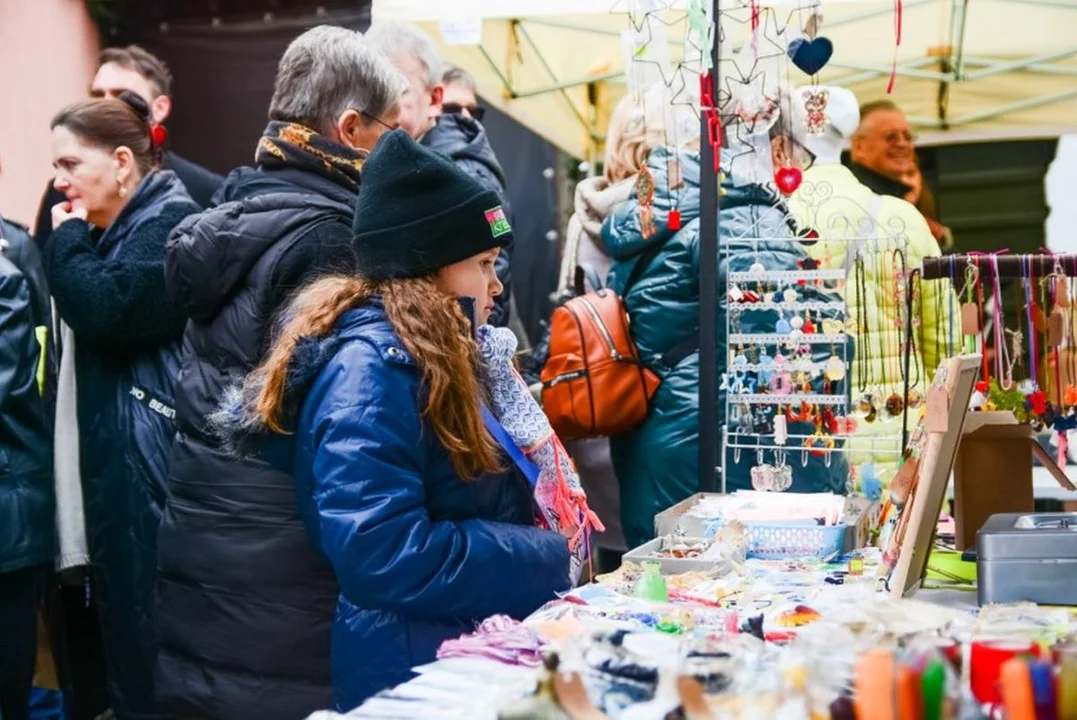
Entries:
{"x":994,"y":67}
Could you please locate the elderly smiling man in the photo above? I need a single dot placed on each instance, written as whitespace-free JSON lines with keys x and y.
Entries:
{"x":883,"y":153}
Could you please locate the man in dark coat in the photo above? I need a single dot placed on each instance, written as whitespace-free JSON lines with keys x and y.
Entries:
{"x":26,"y":493}
{"x":134,"y":69}
{"x":459,"y":134}
{"x":245,"y":604}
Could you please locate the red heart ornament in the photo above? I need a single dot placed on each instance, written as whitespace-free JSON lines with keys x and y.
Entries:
{"x":788,"y":179}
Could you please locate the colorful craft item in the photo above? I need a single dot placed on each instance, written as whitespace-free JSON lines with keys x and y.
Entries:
{"x":873,"y":682}
{"x":651,"y":586}
{"x":799,"y":616}
{"x":986,"y":660}
{"x":1015,"y":684}
{"x":497,"y":638}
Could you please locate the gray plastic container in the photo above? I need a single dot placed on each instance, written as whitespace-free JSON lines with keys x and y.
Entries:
{"x":1027,"y":557}
{"x":671,"y":565}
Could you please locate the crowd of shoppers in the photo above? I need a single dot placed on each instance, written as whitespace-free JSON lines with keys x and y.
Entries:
{"x":263,"y":411}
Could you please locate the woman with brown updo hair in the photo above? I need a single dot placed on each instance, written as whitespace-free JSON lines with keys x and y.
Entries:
{"x":119,"y":339}
{"x":377,"y":395}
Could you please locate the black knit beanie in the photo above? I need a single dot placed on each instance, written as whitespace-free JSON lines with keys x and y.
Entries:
{"x":418,"y":213}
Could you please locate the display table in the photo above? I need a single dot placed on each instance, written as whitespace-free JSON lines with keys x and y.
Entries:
{"x":815,"y":629}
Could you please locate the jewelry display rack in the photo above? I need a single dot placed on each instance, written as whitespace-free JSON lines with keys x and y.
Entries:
{"x":799,"y":371}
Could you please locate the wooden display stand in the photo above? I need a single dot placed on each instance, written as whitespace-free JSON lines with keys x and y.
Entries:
{"x":915,"y":532}
{"x":993,"y":472}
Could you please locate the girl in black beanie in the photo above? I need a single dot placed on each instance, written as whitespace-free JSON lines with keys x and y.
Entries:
{"x":372,"y":396}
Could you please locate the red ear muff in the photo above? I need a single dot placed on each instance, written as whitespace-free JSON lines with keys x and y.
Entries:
{"x":158,"y":135}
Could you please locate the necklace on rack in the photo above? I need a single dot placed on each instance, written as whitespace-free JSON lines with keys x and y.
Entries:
{"x":861,"y":335}
{"x":1027,"y":281}
{"x":980,"y":315}
{"x":1002,"y":360}
{"x":894,"y":402}
{"x":952,"y":293}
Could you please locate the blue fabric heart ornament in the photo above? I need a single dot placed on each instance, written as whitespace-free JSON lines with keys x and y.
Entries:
{"x":811,"y":56}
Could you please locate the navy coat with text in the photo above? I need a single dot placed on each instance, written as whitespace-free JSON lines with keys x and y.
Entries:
{"x":109,"y":288}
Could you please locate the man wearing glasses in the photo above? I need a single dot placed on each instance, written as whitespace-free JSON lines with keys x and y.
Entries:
{"x":883,"y":154}
{"x":441,"y":111}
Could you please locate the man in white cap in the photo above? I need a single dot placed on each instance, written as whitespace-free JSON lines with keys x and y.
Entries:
{"x":851,"y":221}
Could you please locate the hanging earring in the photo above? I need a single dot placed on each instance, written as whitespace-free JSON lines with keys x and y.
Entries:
{"x":645,"y":194}
{"x":123,"y":190}
{"x":782,"y":327}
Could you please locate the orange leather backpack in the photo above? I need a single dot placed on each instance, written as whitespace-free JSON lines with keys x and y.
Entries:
{"x":593,"y":383}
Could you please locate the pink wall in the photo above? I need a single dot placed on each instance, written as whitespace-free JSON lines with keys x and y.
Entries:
{"x":48,"y":52}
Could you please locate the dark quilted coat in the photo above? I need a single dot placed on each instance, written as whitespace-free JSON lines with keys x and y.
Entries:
{"x":244,"y":603}
{"x":421,"y":556}
{"x":108,"y":288}
{"x":658,"y":463}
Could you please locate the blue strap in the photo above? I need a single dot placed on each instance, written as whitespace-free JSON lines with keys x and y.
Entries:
{"x":529,"y":469}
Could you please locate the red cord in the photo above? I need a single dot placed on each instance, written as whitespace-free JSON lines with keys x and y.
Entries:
{"x":898,"y":11}
{"x":983,"y":334}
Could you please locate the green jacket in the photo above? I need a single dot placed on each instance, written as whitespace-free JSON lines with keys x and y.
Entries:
{"x":843,"y":212}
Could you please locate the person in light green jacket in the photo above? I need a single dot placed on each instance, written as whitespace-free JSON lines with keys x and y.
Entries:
{"x":880,"y":241}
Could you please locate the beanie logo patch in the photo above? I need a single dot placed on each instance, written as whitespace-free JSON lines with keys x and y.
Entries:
{"x":499,"y":224}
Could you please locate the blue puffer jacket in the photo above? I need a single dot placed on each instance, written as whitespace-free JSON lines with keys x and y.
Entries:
{"x":658,"y":463}
{"x":420,"y":555}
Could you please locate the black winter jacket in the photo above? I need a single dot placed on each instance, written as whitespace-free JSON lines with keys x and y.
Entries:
{"x":108,"y":287}
{"x":245,"y":604}
{"x":464,"y":141}
{"x":27,"y":524}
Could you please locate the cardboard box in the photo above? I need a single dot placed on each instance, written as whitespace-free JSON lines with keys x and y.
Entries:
{"x":992,"y":472}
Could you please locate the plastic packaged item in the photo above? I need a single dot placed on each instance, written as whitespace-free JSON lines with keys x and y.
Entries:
{"x":651,"y":585}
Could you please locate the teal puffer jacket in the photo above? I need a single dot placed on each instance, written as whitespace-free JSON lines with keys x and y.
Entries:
{"x":658,"y":463}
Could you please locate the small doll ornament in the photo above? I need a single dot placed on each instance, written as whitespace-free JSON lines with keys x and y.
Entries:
{"x":815,"y":111}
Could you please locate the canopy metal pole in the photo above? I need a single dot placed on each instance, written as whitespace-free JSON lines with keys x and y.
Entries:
{"x":709,"y":425}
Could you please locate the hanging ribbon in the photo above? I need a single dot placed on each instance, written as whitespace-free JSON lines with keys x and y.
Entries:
{"x":993,"y":258}
{"x":710,"y":112}
{"x":897,"y":43}
{"x":1030,"y":306}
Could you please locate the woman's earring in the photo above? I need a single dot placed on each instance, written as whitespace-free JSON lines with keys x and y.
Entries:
{"x":123,"y":190}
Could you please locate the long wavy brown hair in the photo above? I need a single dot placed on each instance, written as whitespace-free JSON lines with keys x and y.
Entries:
{"x":432,"y":327}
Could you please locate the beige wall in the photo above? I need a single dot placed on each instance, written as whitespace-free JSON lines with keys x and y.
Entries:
{"x":48,"y":51}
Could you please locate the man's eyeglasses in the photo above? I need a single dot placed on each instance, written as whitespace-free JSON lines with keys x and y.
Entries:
{"x":379,"y":121}
{"x":475,"y":111}
{"x":893,"y":137}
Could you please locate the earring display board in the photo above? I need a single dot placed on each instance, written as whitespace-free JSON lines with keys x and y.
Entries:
{"x":936,"y":436}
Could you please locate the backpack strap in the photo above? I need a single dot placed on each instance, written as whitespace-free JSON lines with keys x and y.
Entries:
{"x":681,"y":350}
{"x":643,"y":261}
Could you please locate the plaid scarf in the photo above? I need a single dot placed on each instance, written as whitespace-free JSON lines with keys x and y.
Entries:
{"x":286,"y":144}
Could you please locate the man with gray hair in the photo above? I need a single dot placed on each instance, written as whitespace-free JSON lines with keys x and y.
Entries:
{"x":244,"y":605}
{"x":448,"y":129}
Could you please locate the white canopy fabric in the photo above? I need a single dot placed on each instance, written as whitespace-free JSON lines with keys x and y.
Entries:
{"x":965,"y":69}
